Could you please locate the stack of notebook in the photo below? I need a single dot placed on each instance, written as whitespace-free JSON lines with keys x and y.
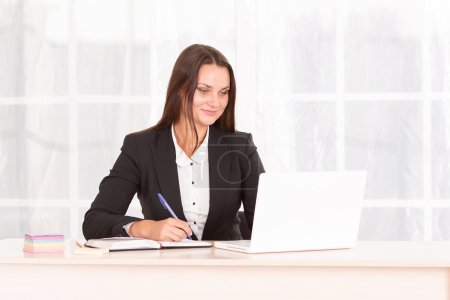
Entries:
{"x":43,"y":243}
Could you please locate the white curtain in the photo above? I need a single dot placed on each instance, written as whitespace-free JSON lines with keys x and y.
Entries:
{"x":322,"y":85}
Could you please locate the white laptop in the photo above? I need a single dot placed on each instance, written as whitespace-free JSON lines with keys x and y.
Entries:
{"x":304,"y":211}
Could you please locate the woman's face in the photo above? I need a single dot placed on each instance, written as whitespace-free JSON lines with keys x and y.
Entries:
{"x":211,"y":94}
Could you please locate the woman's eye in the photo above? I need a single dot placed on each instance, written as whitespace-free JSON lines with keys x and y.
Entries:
{"x":203,"y":91}
{"x":225,"y":92}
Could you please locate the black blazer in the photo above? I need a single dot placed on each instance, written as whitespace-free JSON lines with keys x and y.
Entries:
{"x":147,"y":166}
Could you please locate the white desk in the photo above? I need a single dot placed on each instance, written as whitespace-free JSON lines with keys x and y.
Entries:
{"x":372,"y":270}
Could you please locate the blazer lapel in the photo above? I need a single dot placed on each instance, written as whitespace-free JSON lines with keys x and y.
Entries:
{"x":167,"y":173}
{"x":219,"y":157}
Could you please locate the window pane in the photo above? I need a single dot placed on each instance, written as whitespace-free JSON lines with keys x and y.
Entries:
{"x":391,"y":224}
{"x":440,"y":144}
{"x":385,"y":138}
{"x":441,"y":224}
{"x":383,"y":46}
{"x":440,"y":46}
{"x":17,"y":221}
{"x":296,"y":49}
{"x":101,"y":131}
{"x":301,"y":136}
{"x":33,"y":48}
{"x":34,"y":151}
{"x":100,"y":68}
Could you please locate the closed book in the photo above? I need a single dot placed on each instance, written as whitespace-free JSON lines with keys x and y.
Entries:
{"x":130,"y":243}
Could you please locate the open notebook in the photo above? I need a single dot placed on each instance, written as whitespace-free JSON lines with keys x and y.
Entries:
{"x":130,"y":243}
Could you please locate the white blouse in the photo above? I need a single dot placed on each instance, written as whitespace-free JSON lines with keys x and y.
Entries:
{"x":193,"y":177}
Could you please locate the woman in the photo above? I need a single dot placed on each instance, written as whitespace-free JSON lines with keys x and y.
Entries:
{"x":193,"y":157}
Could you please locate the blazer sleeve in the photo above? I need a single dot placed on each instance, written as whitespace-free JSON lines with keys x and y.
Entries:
{"x":251,"y":168}
{"x":106,"y":216}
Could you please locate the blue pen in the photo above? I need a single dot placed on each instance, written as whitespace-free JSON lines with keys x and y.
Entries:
{"x":166,"y":206}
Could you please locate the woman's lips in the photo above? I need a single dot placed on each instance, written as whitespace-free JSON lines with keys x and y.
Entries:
{"x":209,"y":112}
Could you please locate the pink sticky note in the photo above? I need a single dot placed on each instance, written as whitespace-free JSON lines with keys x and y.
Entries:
{"x":33,"y":237}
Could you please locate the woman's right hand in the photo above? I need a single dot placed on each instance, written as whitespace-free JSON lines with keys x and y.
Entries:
{"x":169,"y":230}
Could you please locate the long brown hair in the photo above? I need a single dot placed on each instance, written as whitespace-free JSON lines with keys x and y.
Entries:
{"x":182,"y":85}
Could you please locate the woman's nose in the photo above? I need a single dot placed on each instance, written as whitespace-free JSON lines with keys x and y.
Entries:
{"x":214,"y":101}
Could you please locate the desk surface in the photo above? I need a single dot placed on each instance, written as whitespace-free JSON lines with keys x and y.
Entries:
{"x":365,"y":254}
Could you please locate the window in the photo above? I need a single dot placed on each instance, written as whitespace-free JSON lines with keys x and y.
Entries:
{"x":362,"y":85}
